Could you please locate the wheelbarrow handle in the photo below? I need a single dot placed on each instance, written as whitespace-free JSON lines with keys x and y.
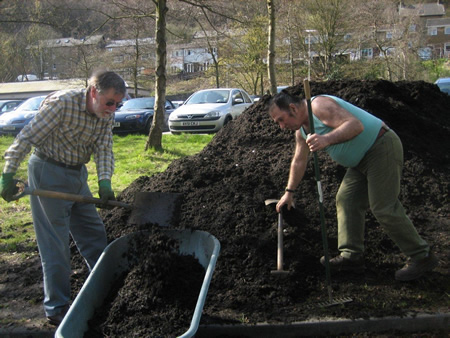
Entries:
{"x":66,"y":196}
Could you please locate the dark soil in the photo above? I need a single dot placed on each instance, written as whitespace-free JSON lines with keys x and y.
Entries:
{"x":160,"y":281}
{"x":224,"y":188}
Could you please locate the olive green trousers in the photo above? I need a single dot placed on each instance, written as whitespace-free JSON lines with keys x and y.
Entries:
{"x":375,"y":183}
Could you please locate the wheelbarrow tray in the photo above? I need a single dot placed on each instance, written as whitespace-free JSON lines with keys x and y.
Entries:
{"x":113,"y":261}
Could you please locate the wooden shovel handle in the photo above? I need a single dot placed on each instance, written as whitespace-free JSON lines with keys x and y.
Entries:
{"x":75,"y":198}
{"x":307,"y":89}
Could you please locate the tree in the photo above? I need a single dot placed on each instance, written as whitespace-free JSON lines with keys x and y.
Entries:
{"x":244,"y":54}
{"x":271,"y":47}
{"x":155,"y":134}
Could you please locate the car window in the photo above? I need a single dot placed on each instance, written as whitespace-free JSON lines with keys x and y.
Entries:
{"x":139,"y":103}
{"x":32,"y":104}
{"x":247,"y":98}
{"x":237,"y":96}
{"x":169,"y":104}
{"x":209,"y":96}
{"x":9,"y":106}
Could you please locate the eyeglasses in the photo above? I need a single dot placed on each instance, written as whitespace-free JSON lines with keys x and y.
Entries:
{"x":112,"y":103}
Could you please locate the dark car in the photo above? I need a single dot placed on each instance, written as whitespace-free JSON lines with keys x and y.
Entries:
{"x":13,"y":122}
{"x":8,"y":105}
{"x":136,"y":115}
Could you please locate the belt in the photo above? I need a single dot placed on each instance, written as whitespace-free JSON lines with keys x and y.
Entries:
{"x":44,"y":157}
{"x":384,"y":128}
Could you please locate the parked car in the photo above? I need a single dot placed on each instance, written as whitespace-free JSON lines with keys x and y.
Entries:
{"x":8,"y":105}
{"x":208,"y":110}
{"x":177,"y":103}
{"x":444,"y":84}
{"x":136,"y":115}
{"x":255,"y":98}
{"x":27,"y":77}
{"x":13,"y":122}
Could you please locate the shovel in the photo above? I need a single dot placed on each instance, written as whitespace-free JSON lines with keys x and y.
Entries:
{"x":331,"y":301}
{"x":279,"y":271}
{"x":148,"y":207}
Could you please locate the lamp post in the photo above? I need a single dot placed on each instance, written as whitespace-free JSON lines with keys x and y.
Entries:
{"x":309,"y":31}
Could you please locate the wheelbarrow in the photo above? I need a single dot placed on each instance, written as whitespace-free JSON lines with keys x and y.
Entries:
{"x":113,"y":261}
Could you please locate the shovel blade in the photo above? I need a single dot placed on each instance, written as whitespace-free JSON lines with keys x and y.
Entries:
{"x":159,"y":208}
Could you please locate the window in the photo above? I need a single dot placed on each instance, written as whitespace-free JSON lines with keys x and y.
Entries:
{"x":432,"y":31}
{"x":189,"y":68}
{"x":314,"y":39}
{"x":367,"y":53}
{"x":447,"y":47}
{"x":447,"y":30}
{"x":388,"y":35}
{"x":412,"y":28}
{"x":118,"y":58}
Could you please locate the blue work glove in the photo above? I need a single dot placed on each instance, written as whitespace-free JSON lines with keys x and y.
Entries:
{"x":8,"y":187}
{"x":106,"y":194}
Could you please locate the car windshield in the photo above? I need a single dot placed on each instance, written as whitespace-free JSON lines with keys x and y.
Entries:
{"x":209,"y":96}
{"x":140,"y":103}
{"x":31,"y":104}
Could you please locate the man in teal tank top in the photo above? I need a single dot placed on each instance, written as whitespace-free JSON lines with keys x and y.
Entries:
{"x":373,"y":155}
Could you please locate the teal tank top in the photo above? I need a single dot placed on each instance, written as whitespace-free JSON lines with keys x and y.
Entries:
{"x":351,"y":152}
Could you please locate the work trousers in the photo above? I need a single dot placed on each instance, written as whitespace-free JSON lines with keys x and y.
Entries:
{"x":375,"y":183}
{"x":54,"y":220}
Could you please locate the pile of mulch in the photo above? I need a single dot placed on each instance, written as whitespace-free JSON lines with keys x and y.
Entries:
{"x":247,"y":162}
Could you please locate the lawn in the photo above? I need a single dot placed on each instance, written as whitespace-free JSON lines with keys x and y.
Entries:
{"x":131,"y":161}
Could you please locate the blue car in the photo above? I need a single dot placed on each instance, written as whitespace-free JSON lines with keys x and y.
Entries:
{"x":443,"y":84}
{"x":8,"y":105}
{"x":13,"y":122}
{"x":136,"y":115}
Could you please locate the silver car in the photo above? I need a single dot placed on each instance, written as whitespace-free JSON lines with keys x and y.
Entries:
{"x":208,"y":110}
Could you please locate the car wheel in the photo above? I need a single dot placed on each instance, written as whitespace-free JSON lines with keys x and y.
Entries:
{"x":227,"y":119}
{"x":148,"y":125}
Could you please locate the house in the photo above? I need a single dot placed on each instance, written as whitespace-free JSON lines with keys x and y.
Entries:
{"x":435,"y":28}
{"x":438,"y":36}
{"x":60,"y":57}
{"x":27,"y":89}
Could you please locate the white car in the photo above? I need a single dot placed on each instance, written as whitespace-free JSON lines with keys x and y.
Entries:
{"x":208,"y":110}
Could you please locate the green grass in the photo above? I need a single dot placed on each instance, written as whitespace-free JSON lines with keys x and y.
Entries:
{"x":131,"y":161}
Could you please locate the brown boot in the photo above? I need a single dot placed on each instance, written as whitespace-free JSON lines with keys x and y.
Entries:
{"x":340,"y":263}
{"x":417,"y":268}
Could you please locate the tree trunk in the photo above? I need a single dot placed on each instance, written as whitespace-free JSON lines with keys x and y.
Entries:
{"x":271,"y":47}
{"x":155,"y":134}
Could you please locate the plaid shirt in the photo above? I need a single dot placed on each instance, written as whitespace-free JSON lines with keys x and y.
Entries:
{"x":66,"y":132}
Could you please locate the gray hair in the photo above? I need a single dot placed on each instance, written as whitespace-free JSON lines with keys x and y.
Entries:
{"x":104,"y":80}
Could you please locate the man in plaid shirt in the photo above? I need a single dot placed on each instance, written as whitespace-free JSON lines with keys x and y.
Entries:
{"x":70,"y":127}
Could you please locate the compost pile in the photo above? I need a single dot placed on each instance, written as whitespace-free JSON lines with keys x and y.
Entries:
{"x":224,"y":188}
